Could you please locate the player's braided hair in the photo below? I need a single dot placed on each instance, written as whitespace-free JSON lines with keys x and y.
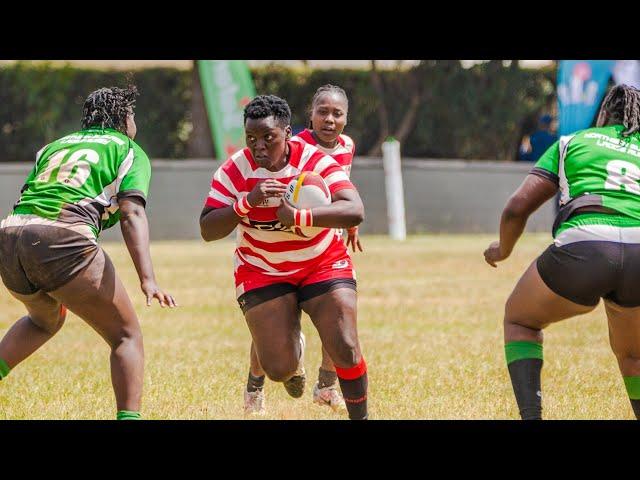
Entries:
{"x":328,"y":88}
{"x":264,"y":106}
{"x":109,"y":107}
{"x":622,"y":103}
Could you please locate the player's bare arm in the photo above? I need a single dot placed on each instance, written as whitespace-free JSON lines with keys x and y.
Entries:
{"x":532,"y":193}
{"x":135,"y":230}
{"x":217,"y":223}
{"x":346,"y":210}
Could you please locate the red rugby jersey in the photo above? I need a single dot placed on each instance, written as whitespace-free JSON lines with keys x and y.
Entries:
{"x":262,"y":240}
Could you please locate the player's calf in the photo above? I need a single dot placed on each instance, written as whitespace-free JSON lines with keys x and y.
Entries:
{"x":523,"y":354}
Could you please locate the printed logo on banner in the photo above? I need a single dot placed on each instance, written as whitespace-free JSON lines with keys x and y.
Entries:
{"x":581,"y":87}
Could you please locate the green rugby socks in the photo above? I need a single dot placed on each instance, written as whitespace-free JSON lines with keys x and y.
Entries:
{"x":128,"y":415}
{"x":632,"y":384}
{"x":524,"y":361}
{"x":4,"y":369}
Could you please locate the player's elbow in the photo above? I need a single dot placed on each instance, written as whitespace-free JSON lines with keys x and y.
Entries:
{"x":206,"y":233}
{"x":131,"y":219}
{"x":209,"y":232}
{"x":132,"y":213}
{"x":516,"y":208}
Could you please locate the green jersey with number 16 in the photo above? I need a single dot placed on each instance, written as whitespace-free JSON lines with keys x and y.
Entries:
{"x":596,"y":166}
{"x":80,"y":177}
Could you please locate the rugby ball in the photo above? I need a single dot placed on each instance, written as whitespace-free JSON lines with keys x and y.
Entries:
{"x":307,"y":190}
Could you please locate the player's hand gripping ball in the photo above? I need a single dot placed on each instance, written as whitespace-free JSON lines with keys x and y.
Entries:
{"x":306,"y":191}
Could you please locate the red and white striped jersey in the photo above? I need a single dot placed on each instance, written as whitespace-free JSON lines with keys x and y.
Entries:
{"x":343,"y":152}
{"x":262,"y":240}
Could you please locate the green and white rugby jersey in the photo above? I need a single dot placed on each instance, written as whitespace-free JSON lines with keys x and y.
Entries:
{"x":80,"y":177}
{"x":596,"y":166}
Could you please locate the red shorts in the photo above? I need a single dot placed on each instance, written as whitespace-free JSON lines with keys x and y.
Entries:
{"x":332,"y":269}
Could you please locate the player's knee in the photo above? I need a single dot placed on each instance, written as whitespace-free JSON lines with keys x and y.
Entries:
{"x":513,"y":316}
{"x":347,"y":353}
{"x":51,"y":327}
{"x":510,"y":312}
{"x":131,"y":337}
{"x":51,"y":322}
{"x":279,"y":371}
{"x":629,"y":365}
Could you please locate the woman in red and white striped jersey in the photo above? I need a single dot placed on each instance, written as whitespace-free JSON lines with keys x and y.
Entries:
{"x":327,"y":119}
{"x":279,"y":273}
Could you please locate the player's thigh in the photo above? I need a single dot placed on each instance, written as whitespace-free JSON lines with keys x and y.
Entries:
{"x":534,"y":304}
{"x":622,"y":306}
{"x":98,"y":296}
{"x":275,"y":328}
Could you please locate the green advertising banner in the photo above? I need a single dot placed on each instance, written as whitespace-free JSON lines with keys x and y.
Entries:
{"x":227,"y":87}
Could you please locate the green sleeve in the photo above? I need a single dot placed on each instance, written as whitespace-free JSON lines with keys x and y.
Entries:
{"x":136,"y":169}
{"x":34,"y":171}
{"x":547,"y":164}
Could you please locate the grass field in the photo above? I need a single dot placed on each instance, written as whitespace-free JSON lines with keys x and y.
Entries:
{"x":430,"y":323}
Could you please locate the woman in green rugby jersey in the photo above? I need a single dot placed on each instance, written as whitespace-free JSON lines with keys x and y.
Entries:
{"x":596,"y":249}
{"x":80,"y":185}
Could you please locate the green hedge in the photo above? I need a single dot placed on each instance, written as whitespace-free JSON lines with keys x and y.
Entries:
{"x":473,"y":113}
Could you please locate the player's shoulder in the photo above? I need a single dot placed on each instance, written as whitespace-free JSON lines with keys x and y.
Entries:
{"x":347,"y":142}
{"x":304,"y":137}
{"x":317,"y":160}
{"x":609,"y":130}
{"x":137,"y":149}
{"x":589,"y":133}
{"x":240,"y":157}
{"x":241,"y":161}
{"x":98,"y":138}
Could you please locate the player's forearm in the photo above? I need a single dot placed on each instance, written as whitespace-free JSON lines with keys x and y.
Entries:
{"x":532,"y":193}
{"x":512,"y":224}
{"x":218,"y":223}
{"x":340,"y":214}
{"x":135,"y":230}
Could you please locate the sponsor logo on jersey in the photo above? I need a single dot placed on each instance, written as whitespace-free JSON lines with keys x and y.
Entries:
{"x":340,"y":264}
{"x":270,"y":226}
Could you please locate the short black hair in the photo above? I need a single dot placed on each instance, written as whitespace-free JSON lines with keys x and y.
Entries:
{"x":264,"y":106}
{"x":622,"y":103}
{"x":108,"y":108}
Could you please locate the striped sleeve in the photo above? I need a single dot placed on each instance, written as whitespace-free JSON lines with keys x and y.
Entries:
{"x":224,"y":191}
{"x":350,"y":144}
{"x":333,"y":174}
